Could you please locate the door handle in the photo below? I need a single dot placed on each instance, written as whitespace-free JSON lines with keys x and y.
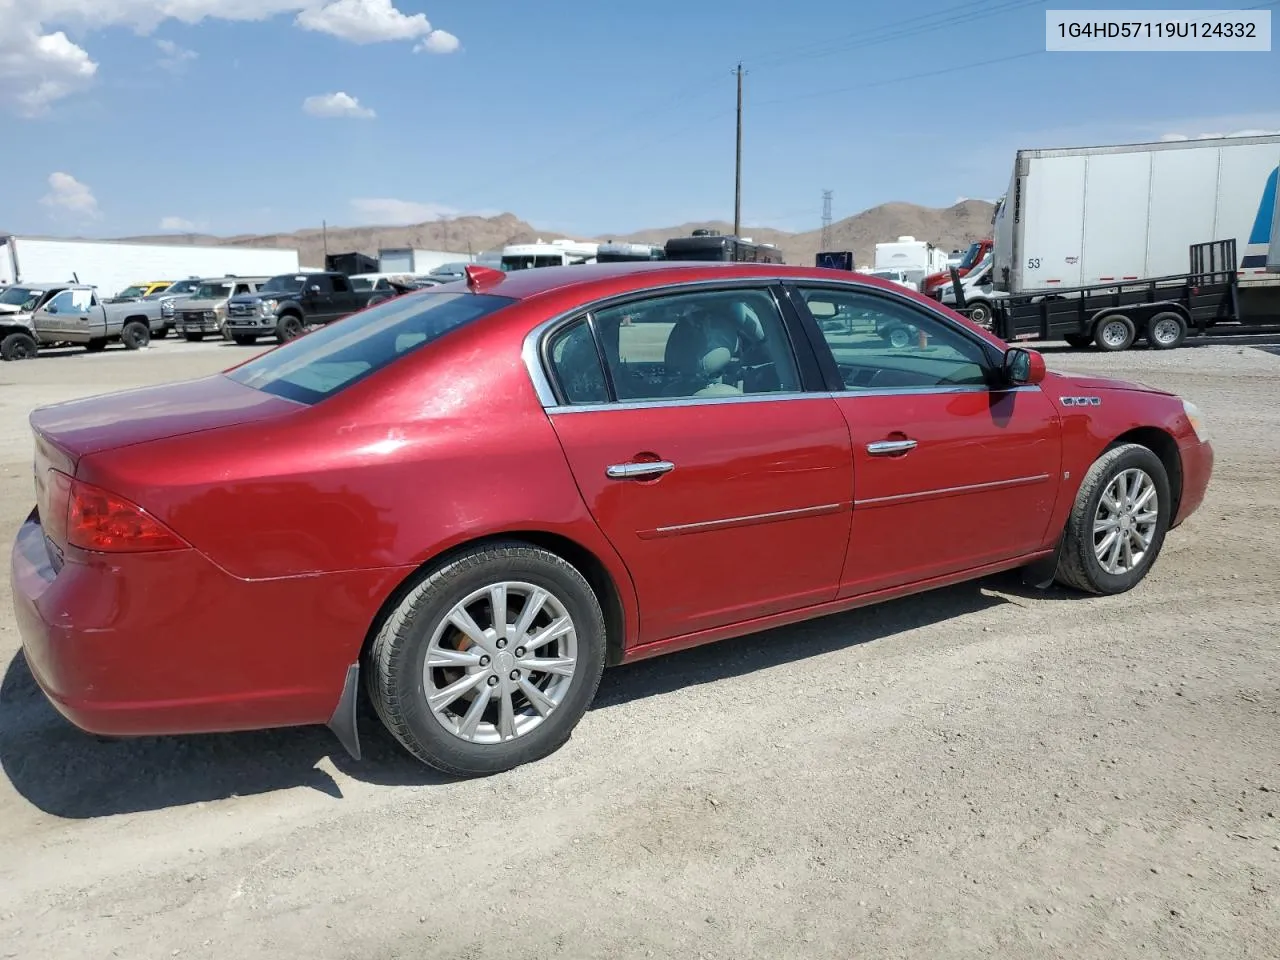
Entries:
{"x":887,"y":448}
{"x":630,"y":471}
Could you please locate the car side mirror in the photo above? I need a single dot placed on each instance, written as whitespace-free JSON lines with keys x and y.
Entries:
{"x":314,"y":288}
{"x":51,"y":309}
{"x":1023,"y":366}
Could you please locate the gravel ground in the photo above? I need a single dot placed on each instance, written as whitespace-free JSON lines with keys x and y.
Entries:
{"x":981,"y":770}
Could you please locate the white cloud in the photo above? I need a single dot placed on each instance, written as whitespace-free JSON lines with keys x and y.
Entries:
{"x":385,"y":210}
{"x":336,"y":105}
{"x":68,"y":197}
{"x":39,"y":65}
{"x":438,"y":41}
{"x":38,"y":69}
{"x":177,"y":225}
{"x":175,"y":57}
{"x":364,"y":21}
{"x":1172,"y":137}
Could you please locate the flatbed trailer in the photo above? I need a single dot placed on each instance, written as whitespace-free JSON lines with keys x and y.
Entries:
{"x":1163,"y":311}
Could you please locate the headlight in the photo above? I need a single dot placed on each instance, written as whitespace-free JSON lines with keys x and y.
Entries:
{"x":268,"y":307}
{"x":167,"y":309}
{"x":1197,"y":421}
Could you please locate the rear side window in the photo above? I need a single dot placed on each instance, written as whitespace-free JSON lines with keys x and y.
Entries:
{"x":322,"y":363}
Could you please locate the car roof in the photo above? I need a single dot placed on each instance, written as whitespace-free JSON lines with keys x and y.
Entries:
{"x":525,"y":284}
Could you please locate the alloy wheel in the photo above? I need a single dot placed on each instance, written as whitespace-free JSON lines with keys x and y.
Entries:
{"x":1125,"y":522}
{"x":500,"y":662}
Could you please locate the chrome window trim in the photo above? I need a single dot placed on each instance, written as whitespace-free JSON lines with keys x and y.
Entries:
{"x":559,"y":409}
{"x":531,"y":348}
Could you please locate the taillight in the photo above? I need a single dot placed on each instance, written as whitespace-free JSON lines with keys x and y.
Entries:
{"x":95,"y":519}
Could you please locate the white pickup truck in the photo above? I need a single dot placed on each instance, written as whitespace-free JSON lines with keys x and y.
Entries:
{"x":77,"y":315}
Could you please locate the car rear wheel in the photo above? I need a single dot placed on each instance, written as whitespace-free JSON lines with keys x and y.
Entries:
{"x":1114,"y":333}
{"x":1118,"y":522}
{"x":18,"y":346}
{"x":193,"y":337}
{"x":1166,"y":331}
{"x":288,"y":328}
{"x":135,"y":335}
{"x":244,"y":339}
{"x":490,"y":661}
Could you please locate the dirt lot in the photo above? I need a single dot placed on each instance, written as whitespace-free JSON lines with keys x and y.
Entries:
{"x":983,"y":770}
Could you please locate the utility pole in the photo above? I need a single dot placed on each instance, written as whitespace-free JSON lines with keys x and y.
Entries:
{"x":737,"y":179}
{"x":826,"y":220}
{"x":324,"y":232}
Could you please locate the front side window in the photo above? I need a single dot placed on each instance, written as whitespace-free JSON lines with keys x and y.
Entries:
{"x":71,"y":301}
{"x":881,"y":344}
{"x":316,"y":366}
{"x":728,"y":343}
{"x":287,"y":283}
{"x":134,"y":291}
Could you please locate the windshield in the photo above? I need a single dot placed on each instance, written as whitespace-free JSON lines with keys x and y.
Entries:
{"x":336,"y":356}
{"x":290,"y":283}
{"x":212,"y":291}
{"x":23,"y":297}
{"x":970,"y":256}
{"x":134,"y":291}
{"x":182,"y":286}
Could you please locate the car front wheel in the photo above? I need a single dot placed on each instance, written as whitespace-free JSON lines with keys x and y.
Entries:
{"x":1118,"y":522}
{"x":490,"y":661}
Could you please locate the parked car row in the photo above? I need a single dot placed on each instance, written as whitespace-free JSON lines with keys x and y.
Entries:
{"x":243,"y":309}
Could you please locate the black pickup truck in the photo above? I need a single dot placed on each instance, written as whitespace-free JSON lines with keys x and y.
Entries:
{"x":286,"y":305}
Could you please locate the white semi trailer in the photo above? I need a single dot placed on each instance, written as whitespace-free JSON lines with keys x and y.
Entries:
{"x":1093,"y":215}
{"x":416,"y":262}
{"x":111,"y":266}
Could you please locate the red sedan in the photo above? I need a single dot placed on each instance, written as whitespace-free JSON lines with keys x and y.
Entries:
{"x":472,"y":499}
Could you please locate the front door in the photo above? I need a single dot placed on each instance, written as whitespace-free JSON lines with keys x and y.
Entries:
{"x":724,"y":488}
{"x":950,"y":472}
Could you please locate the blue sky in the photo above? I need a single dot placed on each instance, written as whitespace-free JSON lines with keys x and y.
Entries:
{"x":578,"y":117}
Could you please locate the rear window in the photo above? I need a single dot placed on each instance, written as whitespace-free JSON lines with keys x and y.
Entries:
{"x":334,"y":357}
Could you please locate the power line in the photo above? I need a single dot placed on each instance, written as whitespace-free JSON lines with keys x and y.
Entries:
{"x":827,"y":92}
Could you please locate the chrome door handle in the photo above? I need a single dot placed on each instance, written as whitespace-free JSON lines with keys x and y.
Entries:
{"x":630,"y":471}
{"x":885,"y":448}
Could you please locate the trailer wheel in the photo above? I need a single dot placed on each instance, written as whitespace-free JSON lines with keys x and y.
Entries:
{"x":18,"y":346}
{"x":1077,"y":340}
{"x":980,"y":313}
{"x":1114,"y":333}
{"x":897,"y":334}
{"x":135,"y":335}
{"x":1166,"y":331}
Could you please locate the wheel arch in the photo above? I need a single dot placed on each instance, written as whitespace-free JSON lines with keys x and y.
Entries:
{"x":1164,"y":446}
{"x":582,"y":559}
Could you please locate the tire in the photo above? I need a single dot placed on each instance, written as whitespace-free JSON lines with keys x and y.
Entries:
{"x":244,"y":339}
{"x":135,"y":335}
{"x":96,"y":346}
{"x":398,"y":686}
{"x":192,"y":337}
{"x":1079,"y":565}
{"x":1114,"y":333}
{"x":897,"y":335}
{"x":1077,"y":340}
{"x":980,"y":313}
{"x":288,"y":327}
{"x":1166,"y":331}
{"x":18,"y":346}
{"x":163,"y":332}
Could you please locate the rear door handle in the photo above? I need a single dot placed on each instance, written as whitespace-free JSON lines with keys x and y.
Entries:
{"x":630,"y":471}
{"x":886,"y":448}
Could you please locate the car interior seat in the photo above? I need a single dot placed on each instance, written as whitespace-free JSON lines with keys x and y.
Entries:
{"x":701,"y":355}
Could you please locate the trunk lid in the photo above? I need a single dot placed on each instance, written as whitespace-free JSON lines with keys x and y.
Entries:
{"x":81,"y":427}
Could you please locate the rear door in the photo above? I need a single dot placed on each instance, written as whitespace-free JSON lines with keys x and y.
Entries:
{"x":724,"y":486}
{"x":951,"y":472}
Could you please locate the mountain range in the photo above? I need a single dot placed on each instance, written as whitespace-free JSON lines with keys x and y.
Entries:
{"x":950,"y":228}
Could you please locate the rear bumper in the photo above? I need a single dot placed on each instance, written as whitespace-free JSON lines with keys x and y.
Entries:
{"x":168,"y":643}
{"x":1197,"y":468}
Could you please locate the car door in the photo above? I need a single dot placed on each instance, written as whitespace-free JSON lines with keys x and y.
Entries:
{"x":952,"y":470}
{"x":344,"y":298}
{"x":319,"y":303}
{"x":724,"y":487}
